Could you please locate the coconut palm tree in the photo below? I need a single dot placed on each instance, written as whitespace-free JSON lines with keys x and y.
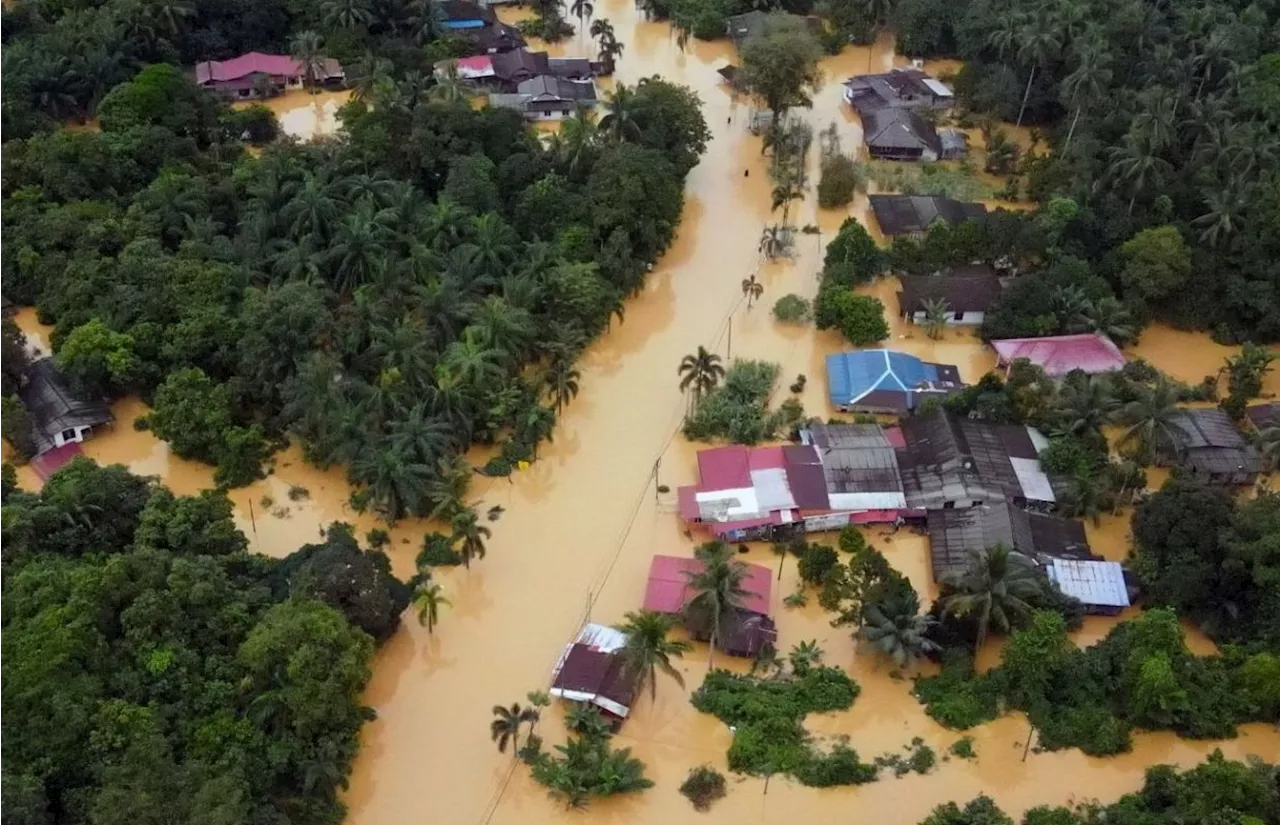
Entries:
{"x":775,"y":241}
{"x":804,"y":657}
{"x":469,"y":534}
{"x":1138,"y":163}
{"x":506,"y":725}
{"x":393,"y":481}
{"x":1247,"y":370}
{"x":562,"y":382}
{"x":935,"y":316}
{"x":582,"y":9}
{"x":449,"y":86}
{"x":610,"y":48}
{"x":1085,"y":404}
{"x":1225,"y":215}
{"x":1150,"y":420}
{"x":1088,"y":83}
{"x":586,"y":721}
{"x":1085,"y":496}
{"x":648,"y":649}
{"x":752,"y":289}
{"x":1038,"y":43}
{"x":619,"y":122}
{"x":996,"y":588}
{"x":702,"y":371}
{"x":896,"y":628}
{"x":718,"y":594}
{"x":346,"y":14}
{"x":1107,"y":316}
{"x":429,"y":598}
{"x":307,"y":47}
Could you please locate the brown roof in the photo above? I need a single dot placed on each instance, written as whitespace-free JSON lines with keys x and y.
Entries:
{"x":589,"y":670}
{"x":1264,"y":415}
{"x":965,"y":289}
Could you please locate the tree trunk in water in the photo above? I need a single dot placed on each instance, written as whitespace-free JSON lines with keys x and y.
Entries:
{"x":1072,"y":130}
{"x":1031,"y":733}
{"x":1026,"y":94}
{"x":711,"y":651}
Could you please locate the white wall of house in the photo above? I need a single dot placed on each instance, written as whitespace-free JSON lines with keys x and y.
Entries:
{"x":964,"y":319}
{"x":72,"y":436}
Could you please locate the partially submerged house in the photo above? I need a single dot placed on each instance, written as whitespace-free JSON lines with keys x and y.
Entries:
{"x":548,"y":98}
{"x":955,"y":534}
{"x":58,"y":416}
{"x":1263,"y":416}
{"x":841,"y":475}
{"x":950,"y":462}
{"x":1058,"y":355}
{"x":886,"y":381}
{"x":966,"y":291}
{"x":668,"y":592}
{"x":592,"y":670}
{"x":900,"y":134}
{"x":1096,"y":583}
{"x":505,"y":71}
{"x":1211,"y":448}
{"x":478,"y":24}
{"x":899,"y":88}
{"x":257,"y":75}
{"x":914,"y":214}
{"x":742,"y":27}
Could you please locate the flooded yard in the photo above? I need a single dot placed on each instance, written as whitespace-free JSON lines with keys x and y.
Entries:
{"x":581,"y":525}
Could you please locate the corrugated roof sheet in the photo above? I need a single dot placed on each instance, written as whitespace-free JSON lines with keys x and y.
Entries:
{"x":1264,"y":415}
{"x":722,"y":468}
{"x":954,"y":533}
{"x":53,"y":407}
{"x":904,"y":214}
{"x":1092,"y":582}
{"x":667,"y":590}
{"x":966,"y":289}
{"x":852,"y":376}
{"x":1058,"y":355}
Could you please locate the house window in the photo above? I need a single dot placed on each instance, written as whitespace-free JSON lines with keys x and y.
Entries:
{"x":69,"y":435}
{"x":948,"y":505}
{"x":958,"y":316}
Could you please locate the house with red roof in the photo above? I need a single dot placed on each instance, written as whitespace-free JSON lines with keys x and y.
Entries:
{"x":257,"y":75}
{"x":1058,"y":355}
{"x":668,"y":592}
{"x":842,"y":474}
{"x":592,"y":670}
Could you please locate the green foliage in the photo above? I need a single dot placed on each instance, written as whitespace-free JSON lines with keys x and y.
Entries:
{"x":703,"y":786}
{"x":962,"y":748}
{"x":780,"y":65}
{"x":818,"y":561}
{"x":1157,"y":263}
{"x":98,"y":361}
{"x":791,"y":309}
{"x":767,"y":714}
{"x":979,"y":811}
{"x":586,"y":767}
{"x":194,"y":415}
{"x":840,"y":180}
{"x":859,"y":317}
{"x":957,"y":698}
{"x":8,"y":481}
{"x":160,"y":95}
{"x":152,"y":675}
{"x":737,"y":410}
{"x":16,"y":425}
{"x":852,"y":257}
{"x":925,"y":179}
{"x":438,"y":551}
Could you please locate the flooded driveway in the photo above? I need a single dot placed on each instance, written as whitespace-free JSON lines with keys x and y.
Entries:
{"x":581,"y":525}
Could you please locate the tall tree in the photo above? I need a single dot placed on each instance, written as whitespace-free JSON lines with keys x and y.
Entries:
{"x":701,"y":371}
{"x":752,"y":289}
{"x":1150,"y":421}
{"x":506,"y":724}
{"x":996,"y":588}
{"x":718,"y":593}
{"x":469,"y":535}
{"x":428,"y":598}
{"x":780,"y":66}
{"x":307,"y":47}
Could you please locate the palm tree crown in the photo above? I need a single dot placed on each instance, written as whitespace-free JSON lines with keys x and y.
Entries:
{"x":702,"y":371}
{"x":996,"y":588}
{"x":648,"y":649}
{"x":506,"y":725}
{"x":718,"y":594}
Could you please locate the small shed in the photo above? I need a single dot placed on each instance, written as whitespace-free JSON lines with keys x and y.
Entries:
{"x":1098,"y":585}
{"x":1211,"y":448}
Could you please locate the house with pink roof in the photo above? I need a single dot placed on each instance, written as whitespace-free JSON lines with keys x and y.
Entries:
{"x":668,"y":592}
{"x":1058,"y":355}
{"x":257,"y":75}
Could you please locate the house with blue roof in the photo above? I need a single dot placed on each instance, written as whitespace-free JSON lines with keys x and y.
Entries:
{"x":886,"y":381}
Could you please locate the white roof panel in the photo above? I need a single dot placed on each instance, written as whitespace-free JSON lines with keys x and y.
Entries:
{"x":938,"y":87}
{"x":772,"y":490}
{"x":1031,"y":478}
{"x":728,"y":505}
{"x":1092,"y":582}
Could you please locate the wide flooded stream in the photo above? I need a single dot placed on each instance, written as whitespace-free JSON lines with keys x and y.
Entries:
{"x":581,"y":525}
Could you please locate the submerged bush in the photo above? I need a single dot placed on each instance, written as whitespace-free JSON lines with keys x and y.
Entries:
{"x":703,"y":786}
{"x":841,"y":180}
{"x":791,"y":309}
{"x":738,"y":411}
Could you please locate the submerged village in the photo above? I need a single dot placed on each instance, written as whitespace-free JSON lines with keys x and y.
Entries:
{"x":671,"y":411}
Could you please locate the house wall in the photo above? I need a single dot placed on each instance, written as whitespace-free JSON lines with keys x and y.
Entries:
{"x":967,"y":319}
{"x":77,"y":435}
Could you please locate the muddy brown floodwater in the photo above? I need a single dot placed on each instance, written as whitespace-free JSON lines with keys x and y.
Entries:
{"x":581,"y":525}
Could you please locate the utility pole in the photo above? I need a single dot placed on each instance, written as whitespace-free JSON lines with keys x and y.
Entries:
{"x":730,"y":347}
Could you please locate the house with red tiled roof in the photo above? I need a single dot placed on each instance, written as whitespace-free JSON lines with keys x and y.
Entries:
{"x":256,"y":75}
{"x":1058,"y":355}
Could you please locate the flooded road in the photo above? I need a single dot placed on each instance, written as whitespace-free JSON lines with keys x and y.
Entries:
{"x":582,"y":524}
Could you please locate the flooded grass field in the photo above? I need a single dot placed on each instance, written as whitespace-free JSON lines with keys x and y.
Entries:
{"x":581,"y":525}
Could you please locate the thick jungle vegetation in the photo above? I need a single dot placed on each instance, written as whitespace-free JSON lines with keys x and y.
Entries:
{"x":389,"y":298}
{"x":157,"y":671}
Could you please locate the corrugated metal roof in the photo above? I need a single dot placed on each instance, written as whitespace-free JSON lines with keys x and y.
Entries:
{"x":667,"y":590}
{"x":1032,"y":479}
{"x":1058,"y":355}
{"x":723,"y":468}
{"x":852,"y":376}
{"x":1092,"y":582}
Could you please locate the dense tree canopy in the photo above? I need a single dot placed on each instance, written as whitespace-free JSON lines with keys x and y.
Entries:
{"x":152,"y":675}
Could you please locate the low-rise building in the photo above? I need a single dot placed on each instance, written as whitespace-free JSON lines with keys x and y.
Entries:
{"x":1097,"y":584}
{"x":592,"y":670}
{"x":58,"y":415}
{"x":956,"y":534}
{"x":886,"y":381}
{"x":967,"y":292}
{"x":1211,"y":448}
{"x":1058,"y":355}
{"x":668,"y":592}
{"x":912,"y":215}
{"x":548,"y":98}
{"x":899,"y":88}
{"x":257,"y":75}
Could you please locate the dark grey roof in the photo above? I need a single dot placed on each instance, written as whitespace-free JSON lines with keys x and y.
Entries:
{"x":545,"y":88}
{"x":856,"y":458}
{"x":465,"y":10}
{"x":508,"y":65}
{"x":901,"y":87}
{"x":52,"y":407}
{"x":955,"y":533}
{"x":893,"y":128}
{"x":570,"y":67}
{"x":946,"y":458}
{"x":1264,"y":415}
{"x":900,"y":214}
{"x":965,"y":289}
{"x":1212,"y":445}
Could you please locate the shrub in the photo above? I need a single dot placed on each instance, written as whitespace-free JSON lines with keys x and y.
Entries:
{"x":962,"y":748}
{"x":437,"y":551}
{"x":703,"y":786}
{"x":791,"y":309}
{"x":859,"y":317}
{"x":841,"y":180}
{"x":840,"y":767}
{"x":957,"y":698}
{"x":17,"y":427}
{"x":856,"y":252}
{"x":816,"y":563}
{"x":737,"y":409}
